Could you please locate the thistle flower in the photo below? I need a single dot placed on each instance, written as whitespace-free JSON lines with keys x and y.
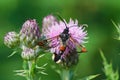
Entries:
{"x":30,"y":33}
{"x":47,"y":22}
{"x":11,"y":39}
{"x":77,"y":33}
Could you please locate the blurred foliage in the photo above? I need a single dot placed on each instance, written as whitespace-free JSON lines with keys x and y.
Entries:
{"x":96,"y":13}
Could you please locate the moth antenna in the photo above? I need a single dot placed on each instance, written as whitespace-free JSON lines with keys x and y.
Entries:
{"x":62,"y":19}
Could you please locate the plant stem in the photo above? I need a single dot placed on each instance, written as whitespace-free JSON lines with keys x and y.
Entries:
{"x":66,"y":74}
{"x":25,"y":67}
{"x":31,"y":68}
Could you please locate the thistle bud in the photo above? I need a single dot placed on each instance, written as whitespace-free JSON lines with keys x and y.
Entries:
{"x":11,"y":39}
{"x":28,"y":54}
{"x":30,"y":33}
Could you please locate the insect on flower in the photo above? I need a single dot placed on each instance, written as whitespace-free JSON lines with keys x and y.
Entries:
{"x":63,"y":38}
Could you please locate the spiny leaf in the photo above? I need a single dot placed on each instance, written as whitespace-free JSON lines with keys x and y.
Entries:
{"x":43,"y":73}
{"x":118,"y":29}
{"x":108,"y":69}
{"x":20,"y":74}
{"x":37,"y":67}
{"x":40,"y":56}
{"x":116,"y":26}
{"x":19,"y":70}
{"x":42,"y":67}
{"x":90,"y":77}
{"x":13,"y":53}
{"x":45,"y":65}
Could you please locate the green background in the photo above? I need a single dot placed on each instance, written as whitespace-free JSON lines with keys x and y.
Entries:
{"x":101,"y":32}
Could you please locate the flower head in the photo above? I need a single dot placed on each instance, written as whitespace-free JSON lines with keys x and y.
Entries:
{"x":76,"y":35}
{"x":30,"y":33}
{"x":11,"y":39}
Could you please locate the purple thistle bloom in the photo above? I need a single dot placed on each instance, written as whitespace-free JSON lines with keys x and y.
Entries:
{"x":30,"y":33}
{"x":77,"y":33}
{"x":11,"y":39}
